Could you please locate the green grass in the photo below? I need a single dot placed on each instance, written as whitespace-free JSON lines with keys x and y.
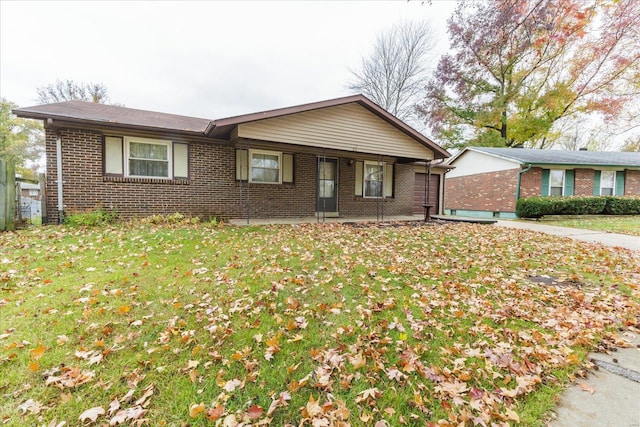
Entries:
{"x":440,"y":320}
{"x":612,"y":224}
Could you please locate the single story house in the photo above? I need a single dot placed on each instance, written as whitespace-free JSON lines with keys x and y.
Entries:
{"x":488,"y":181}
{"x":341,"y":157}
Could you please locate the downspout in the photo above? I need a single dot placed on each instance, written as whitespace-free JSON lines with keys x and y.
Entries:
{"x":59,"y":176}
{"x":520,"y":172}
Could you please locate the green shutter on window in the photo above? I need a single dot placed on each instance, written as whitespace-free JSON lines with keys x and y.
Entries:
{"x":596,"y":183}
{"x":620,"y":183}
{"x":569,"y":178}
{"x":545,"y":182}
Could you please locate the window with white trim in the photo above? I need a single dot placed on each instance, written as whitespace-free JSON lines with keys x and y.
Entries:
{"x":137,"y":157}
{"x":607,"y":183}
{"x":264,"y":167}
{"x":556,"y":182}
{"x":373,"y":179}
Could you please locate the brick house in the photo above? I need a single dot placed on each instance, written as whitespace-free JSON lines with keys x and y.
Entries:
{"x":487,"y":181}
{"x":341,"y":157}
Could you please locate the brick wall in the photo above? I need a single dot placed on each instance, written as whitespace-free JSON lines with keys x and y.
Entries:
{"x":632,"y":183}
{"x":492,"y":191}
{"x":211,"y":189}
{"x":583,"y":182}
{"x":400,"y":204}
{"x":531,"y":183}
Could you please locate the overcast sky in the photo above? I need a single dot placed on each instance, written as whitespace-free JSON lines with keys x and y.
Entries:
{"x":204,"y":58}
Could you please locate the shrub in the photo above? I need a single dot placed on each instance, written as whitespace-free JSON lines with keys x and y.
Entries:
{"x":90,"y":218}
{"x":536,"y":207}
{"x":622,"y":206}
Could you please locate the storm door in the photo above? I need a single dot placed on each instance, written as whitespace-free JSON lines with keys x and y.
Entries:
{"x":327,"y":185}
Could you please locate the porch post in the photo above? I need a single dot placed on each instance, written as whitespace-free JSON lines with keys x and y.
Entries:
{"x":248,"y":186}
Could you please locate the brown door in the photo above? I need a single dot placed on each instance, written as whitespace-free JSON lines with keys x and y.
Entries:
{"x":419,"y":198}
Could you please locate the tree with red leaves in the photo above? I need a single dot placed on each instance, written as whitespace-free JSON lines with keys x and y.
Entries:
{"x":519,"y":68}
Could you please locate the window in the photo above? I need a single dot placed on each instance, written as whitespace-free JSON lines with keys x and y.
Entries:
{"x":607,"y":183}
{"x":374,"y":179}
{"x":556,"y":182}
{"x":34,"y":192}
{"x":264,"y":167}
{"x":148,"y":158}
{"x":145,"y":158}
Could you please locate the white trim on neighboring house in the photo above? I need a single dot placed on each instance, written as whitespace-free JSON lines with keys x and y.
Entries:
{"x":562,"y":184}
{"x":613,"y":186}
{"x":472,"y":162}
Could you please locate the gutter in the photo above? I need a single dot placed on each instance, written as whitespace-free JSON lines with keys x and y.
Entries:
{"x":59,"y":176}
{"x":520,"y":172}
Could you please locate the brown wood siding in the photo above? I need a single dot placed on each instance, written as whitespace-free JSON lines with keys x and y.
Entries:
{"x":419,"y":196}
{"x":345,"y":127}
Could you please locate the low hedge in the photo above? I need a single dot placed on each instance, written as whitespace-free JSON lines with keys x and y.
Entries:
{"x":536,"y":207}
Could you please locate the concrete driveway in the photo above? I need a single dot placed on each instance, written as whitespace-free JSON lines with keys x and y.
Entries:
{"x":610,"y":395}
{"x":592,"y":236}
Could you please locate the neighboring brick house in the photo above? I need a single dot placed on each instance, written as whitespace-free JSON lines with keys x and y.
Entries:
{"x":487,"y":181}
{"x":341,"y":157}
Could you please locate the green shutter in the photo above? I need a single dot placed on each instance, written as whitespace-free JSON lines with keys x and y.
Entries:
{"x":596,"y":183}
{"x":569,"y":177}
{"x":545,"y":182}
{"x":620,"y":183}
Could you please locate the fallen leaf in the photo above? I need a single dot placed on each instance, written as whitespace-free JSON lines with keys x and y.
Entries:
{"x":255,"y":412}
{"x":92,"y":414}
{"x":586,"y":387}
{"x":196,"y":409}
{"x":37,"y":352}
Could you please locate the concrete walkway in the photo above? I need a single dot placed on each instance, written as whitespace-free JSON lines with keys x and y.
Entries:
{"x":610,"y":395}
{"x":592,"y":236}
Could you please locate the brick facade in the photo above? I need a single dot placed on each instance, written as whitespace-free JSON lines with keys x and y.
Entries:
{"x":496,"y":191}
{"x":491,"y":192}
{"x":632,"y":183}
{"x":212,"y":189}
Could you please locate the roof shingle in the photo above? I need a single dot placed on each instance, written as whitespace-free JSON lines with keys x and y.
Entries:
{"x":564,"y":157}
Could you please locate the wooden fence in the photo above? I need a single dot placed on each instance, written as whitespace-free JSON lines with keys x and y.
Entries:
{"x":7,"y":195}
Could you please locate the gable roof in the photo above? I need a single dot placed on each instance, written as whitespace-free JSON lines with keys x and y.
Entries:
{"x":223,"y":127}
{"x":560,"y":157}
{"x":81,"y":112}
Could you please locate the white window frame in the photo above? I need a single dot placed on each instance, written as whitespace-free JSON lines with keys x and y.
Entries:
{"x":169,"y":144}
{"x":364,"y":179}
{"x":269,"y":153}
{"x":564,"y":177}
{"x":613,"y":187}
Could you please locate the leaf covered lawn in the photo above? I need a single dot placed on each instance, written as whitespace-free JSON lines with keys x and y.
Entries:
{"x":309,"y":325}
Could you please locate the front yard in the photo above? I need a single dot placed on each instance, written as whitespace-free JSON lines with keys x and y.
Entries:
{"x":612,"y":224}
{"x":304,"y":325}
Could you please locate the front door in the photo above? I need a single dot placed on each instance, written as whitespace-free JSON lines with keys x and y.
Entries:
{"x":327,"y":185}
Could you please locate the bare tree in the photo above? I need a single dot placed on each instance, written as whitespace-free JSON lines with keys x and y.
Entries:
{"x":396,"y":72}
{"x":68,"y":90}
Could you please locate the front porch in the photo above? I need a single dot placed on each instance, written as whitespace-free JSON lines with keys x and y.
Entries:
{"x":320,"y":220}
